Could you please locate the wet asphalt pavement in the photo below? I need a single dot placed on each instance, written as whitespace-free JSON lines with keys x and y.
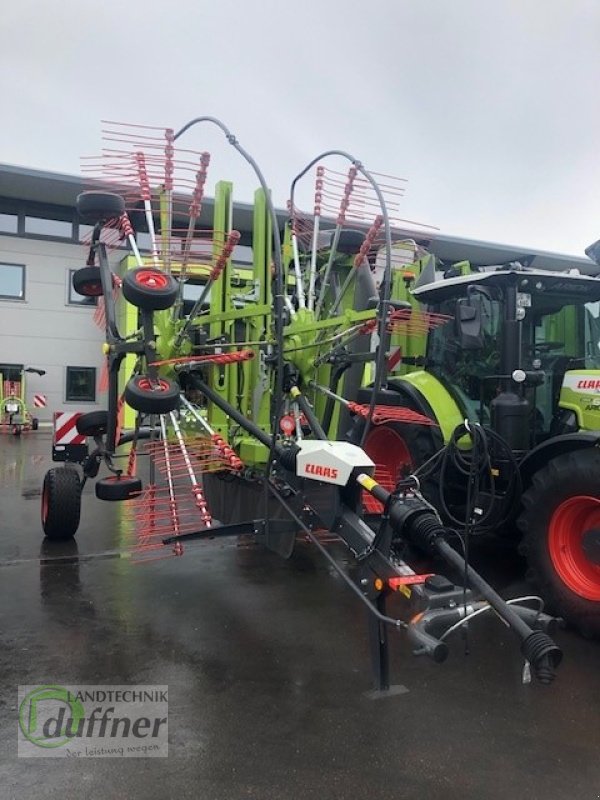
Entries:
{"x":267,"y":665}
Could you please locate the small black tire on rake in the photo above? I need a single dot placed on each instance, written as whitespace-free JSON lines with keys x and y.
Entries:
{"x":61,"y":503}
{"x":96,"y":207}
{"x":87,"y":281}
{"x":350,"y":241}
{"x":94,"y":423}
{"x":152,"y":397}
{"x":150,"y":289}
{"x":122,"y":487}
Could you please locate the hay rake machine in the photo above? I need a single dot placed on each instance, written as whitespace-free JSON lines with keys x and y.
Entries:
{"x":234,"y":381}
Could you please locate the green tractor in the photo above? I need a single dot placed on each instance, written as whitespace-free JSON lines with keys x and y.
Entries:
{"x":514,"y":387}
{"x":15,"y":417}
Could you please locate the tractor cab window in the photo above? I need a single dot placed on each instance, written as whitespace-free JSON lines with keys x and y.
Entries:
{"x":467,"y":371}
{"x":554,"y":343}
{"x":592,"y":335}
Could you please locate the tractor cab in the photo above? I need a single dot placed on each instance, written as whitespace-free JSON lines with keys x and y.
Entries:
{"x":523,"y":351}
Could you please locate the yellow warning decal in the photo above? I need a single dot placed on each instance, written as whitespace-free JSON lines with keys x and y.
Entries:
{"x":367,"y":482}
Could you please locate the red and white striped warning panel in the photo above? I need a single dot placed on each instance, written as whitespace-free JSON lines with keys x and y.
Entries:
{"x":65,"y":431}
{"x":39,"y":400}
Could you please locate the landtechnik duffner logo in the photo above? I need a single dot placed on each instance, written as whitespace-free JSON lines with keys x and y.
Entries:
{"x":93,"y":721}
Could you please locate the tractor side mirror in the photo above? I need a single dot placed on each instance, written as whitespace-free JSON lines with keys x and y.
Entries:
{"x":467,"y":319}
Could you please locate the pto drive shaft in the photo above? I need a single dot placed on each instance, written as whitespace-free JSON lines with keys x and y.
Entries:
{"x":415,"y":522}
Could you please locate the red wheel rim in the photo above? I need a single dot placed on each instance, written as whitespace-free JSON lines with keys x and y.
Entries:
{"x":158,"y":386}
{"x":151,"y":279}
{"x":571,"y":520}
{"x":91,"y":289}
{"x":391,"y":455}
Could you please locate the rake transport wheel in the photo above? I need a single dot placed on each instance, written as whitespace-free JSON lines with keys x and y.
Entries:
{"x":115,"y":487}
{"x":561,"y":537}
{"x":87,"y":282}
{"x":150,"y":289}
{"x":94,"y":423}
{"x":61,"y":503}
{"x":35,"y":423}
{"x":158,"y":397}
{"x":96,"y":207}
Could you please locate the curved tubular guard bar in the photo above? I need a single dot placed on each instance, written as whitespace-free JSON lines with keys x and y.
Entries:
{"x":277,"y":257}
{"x":386,"y":285}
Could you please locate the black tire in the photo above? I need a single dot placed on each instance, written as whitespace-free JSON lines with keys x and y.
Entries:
{"x":561,"y":506}
{"x":118,"y":488}
{"x":94,"y":423}
{"x":61,"y":503}
{"x":149,"y":288}
{"x":35,"y":423}
{"x":87,"y":281}
{"x":350,"y":242}
{"x":141,"y":396}
{"x":96,"y":207}
{"x":16,"y":430}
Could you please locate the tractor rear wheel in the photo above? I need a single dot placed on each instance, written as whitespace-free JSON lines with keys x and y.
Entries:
{"x":561,"y":537}
{"x":61,"y":503}
{"x":397,"y":448}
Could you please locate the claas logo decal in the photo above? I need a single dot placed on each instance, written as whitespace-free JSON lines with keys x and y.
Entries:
{"x":588,"y":384}
{"x":322,"y":472}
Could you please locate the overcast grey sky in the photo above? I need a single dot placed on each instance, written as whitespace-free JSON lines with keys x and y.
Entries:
{"x":488,"y":107}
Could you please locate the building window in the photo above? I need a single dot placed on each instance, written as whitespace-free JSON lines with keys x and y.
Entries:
{"x":143,"y":240}
{"x":12,"y":281}
{"x":11,"y":372}
{"x":81,"y":385}
{"x":49,"y":227}
{"x":9,"y":223}
{"x":75,"y":299}
{"x":85,"y":233}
